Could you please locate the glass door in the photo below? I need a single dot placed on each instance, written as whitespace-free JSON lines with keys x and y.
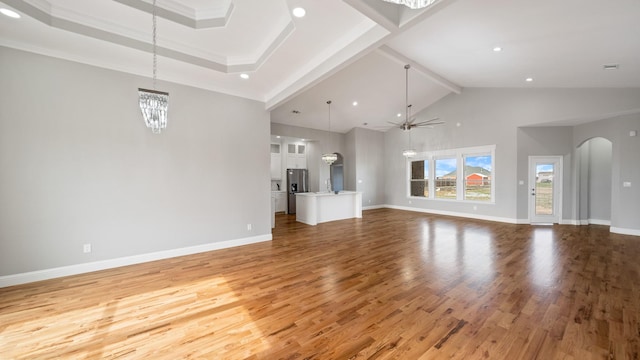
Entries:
{"x":545,"y":189}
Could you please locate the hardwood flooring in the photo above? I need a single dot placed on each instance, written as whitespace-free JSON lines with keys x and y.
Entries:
{"x":392,"y":285}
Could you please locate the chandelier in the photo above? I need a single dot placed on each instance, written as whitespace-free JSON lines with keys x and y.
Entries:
{"x":153,"y":103}
{"x":413,"y":4}
{"x":329,"y":158}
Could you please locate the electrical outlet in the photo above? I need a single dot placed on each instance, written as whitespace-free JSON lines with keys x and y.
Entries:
{"x":86,"y":248}
{"x":249,"y":227}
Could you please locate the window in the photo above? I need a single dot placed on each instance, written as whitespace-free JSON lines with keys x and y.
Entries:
{"x":477,"y":177}
{"x":446,"y":178}
{"x":420,"y":178}
{"x":434,"y":175}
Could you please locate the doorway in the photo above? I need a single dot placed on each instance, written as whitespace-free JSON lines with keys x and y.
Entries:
{"x":336,"y":174}
{"x":545,"y":189}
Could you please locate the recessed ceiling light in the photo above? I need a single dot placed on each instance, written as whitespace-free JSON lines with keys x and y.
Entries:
{"x":398,"y":114}
{"x":278,"y":137}
{"x":529,"y":79}
{"x":10,"y":13}
{"x":497,"y":49}
{"x":299,"y":12}
{"x":303,"y":139}
{"x":355,"y":103}
{"x":244,"y":76}
{"x":611,"y":66}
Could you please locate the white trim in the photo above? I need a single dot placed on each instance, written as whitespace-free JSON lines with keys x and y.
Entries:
{"x":600,"y":222}
{"x":617,"y":230}
{"x":23,"y":278}
{"x":459,"y":214}
{"x":570,"y":222}
{"x":373,"y":207}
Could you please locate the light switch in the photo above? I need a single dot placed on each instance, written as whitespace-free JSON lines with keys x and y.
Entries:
{"x":633,"y":133}
{"x":626,"y":184}
{"x":521,"y":182}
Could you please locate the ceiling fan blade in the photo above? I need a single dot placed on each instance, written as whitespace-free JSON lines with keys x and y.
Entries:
{"x":433,"y":121}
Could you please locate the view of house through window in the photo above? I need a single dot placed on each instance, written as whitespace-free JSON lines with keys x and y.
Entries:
{"x":477,"y":178}
{"x":435,"y":175}
{"x":446,"y":178}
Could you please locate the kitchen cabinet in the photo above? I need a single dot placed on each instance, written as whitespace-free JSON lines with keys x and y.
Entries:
{"x":281,"y":201}
{"x":296,"y":156}
{"x":276,"y":162}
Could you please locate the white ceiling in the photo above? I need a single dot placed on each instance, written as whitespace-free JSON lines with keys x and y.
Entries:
{"x":342,"y":50}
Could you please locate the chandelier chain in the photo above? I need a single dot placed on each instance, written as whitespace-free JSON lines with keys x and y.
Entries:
{"x":155,"y":56}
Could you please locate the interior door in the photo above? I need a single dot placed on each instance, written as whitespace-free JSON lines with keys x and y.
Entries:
{"x":545,"y":189}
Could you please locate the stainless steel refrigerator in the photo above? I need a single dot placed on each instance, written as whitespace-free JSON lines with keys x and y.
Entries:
{"x":297,"y":181}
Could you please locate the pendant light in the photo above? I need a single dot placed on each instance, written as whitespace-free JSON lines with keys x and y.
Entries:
{"x":153,"y":103}
{"x":329,"y":158}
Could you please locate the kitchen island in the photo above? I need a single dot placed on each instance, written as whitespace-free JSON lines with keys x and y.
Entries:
{"x":318,"y":207}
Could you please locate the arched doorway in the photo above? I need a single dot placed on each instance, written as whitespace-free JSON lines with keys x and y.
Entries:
{"x":594,"y":174}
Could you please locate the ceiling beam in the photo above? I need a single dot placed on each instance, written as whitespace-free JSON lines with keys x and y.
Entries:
{"x":431,"y":75}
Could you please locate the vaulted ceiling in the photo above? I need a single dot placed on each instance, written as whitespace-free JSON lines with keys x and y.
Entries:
{"x":342,"y":50}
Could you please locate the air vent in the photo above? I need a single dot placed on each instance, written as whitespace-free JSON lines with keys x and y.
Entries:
{"x":611,"y":66}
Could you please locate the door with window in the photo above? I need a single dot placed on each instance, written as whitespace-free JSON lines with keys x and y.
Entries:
{"x":545,"y":189}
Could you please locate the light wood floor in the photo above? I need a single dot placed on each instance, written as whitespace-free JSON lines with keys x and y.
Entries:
{"x":393,"y":285}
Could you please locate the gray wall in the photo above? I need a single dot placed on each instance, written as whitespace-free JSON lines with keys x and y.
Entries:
{"x":600,"y":158}
{"x":350,"y":153}
{"x":493,"y":116}
{"x":369,"y":176}
{"x":625,"y":201}
{"x":79,"y":166}
{"x":546,"y":141}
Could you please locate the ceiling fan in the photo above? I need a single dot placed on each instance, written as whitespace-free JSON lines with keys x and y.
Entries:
{"x":409,"y":122}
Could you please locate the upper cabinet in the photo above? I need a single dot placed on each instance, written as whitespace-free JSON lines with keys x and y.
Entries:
{"x":296,"y":156}
{"x":276,"y":162}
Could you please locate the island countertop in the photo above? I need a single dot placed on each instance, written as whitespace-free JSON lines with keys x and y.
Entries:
{"x":318,"y":207}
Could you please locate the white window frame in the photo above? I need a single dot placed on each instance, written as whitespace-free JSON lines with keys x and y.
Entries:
{"x":459,"y":154}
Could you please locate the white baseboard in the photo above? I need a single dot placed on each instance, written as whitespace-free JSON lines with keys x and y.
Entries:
{"x":570,"y":222}
{"x":458,"y":214}
{"x":624,"y":231}
{"x":600,"y":222}
{"x":373,"y":207}
{"x":23,"y":278}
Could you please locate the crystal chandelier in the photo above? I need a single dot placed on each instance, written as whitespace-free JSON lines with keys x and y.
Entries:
{"x":153,"y":103}
{"x":329,"y":158}
{"x":413,"y":4}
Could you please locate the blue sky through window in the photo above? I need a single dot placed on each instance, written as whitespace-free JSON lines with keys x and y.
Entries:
{"x":483,"y":161}
{"x":544,"y":168}
{"x":445,"y":166}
